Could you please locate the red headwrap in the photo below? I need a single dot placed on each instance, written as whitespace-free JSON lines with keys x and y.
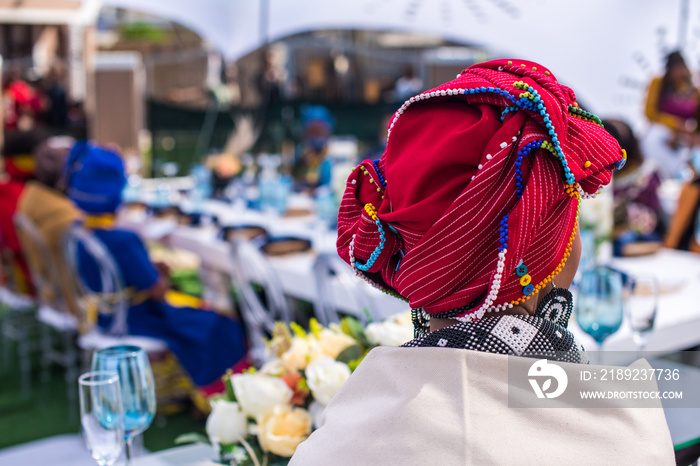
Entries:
{"x":474,"y":204}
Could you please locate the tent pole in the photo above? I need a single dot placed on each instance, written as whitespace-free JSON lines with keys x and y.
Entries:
{"x":683,"y":25}
{"x":264,"y":21}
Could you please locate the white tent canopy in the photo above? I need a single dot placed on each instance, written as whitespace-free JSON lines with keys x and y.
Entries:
{"x":608,"y":50}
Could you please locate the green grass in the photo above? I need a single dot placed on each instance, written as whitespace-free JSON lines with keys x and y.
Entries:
{"x":45,"y":411}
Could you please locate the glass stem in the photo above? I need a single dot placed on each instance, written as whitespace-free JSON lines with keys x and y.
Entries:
{"x":129,"y":450}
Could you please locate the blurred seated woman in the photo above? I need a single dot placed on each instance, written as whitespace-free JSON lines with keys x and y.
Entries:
{"x":471,"y":215}
{"x":205,"y":343}
{"x":46,"y":205}
{"x":684,"y":229}
{"x":18,"y":160}
{"x":672,"y":107}
{"x":638,"y":218}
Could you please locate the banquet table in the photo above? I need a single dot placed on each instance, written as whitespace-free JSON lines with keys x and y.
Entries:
{"x":677,"y":324}
{"x":295,"y":271}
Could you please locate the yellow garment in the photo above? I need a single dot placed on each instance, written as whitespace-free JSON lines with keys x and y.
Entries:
{"x":447,"y":406}
{"x":52,"y":213}
{"x":101,"y":222}
{"x":178,"y":299}
{"x":24,"y":162}
{"x":653,"y":113}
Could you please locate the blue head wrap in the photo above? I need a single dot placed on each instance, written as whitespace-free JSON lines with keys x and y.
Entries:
{"x":95,"y":178}
{"x":311,"y":113}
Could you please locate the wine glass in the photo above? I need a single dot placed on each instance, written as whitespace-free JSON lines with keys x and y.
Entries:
{"x":642,"y":302}
{"x":137,"y":387}
{"x":102,"y":415}
{"x":599,"y":307}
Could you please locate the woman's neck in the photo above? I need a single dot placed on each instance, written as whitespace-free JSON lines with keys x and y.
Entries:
{"x":527,"y":308}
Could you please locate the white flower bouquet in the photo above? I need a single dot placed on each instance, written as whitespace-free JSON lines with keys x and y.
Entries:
{"x":267,"y":413}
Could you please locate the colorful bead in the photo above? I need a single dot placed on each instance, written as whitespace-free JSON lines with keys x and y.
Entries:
{"x":622,"y":162}
{"x":372,"y":212}
{"x":382,"y":181}
{"x":525,"y":280}
{"x":578,"y":112}
{"x":363,"y":277}
{"x":587,"y":164}
{"x":536,"y":100}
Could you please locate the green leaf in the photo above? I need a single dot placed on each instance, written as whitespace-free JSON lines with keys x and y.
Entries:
{"x":350,"y":353}
{"x":368,"y":314}
{"x":230,"y":394}
{"x":355,"y":330}
{"x":192,"y":437}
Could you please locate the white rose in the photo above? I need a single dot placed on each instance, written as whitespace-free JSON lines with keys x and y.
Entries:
{"x":388,"y":333}
{"x":332,"y":343}
{"x":300,"y":354}
{"x":403,"y":318}
{"x":227,"y":423}
{"x":325,"y":376}
{"x":259,"y":393}
{"x":273,"y":367}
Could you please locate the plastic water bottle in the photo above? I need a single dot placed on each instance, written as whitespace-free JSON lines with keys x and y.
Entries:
{"x":327,"y":207}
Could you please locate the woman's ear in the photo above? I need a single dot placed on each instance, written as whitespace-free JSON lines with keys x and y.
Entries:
{"x":566,"y":276}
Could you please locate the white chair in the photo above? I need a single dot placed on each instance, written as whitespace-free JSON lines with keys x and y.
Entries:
{"x":333,"y":278}
{"x":18,"y":322}
{"x":53,"y":315}
{"x":252,"y":270}
{"x":111,"y":297}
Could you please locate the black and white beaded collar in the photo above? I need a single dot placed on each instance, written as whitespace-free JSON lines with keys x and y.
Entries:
{"x":543,"y":335}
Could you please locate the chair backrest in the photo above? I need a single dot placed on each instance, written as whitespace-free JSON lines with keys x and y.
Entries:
{"x":44,"y":270}
{"x":251,"y":269}
{"x":333,"y":275}
{"x":110,"y":296}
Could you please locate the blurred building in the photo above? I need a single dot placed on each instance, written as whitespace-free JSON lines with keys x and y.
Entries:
{"x":38,"y":35}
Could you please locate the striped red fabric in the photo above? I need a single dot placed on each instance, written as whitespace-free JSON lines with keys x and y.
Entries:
{"x":457,"y":170}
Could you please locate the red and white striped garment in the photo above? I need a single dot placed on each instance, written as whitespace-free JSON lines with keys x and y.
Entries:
{"x":447,"y":186}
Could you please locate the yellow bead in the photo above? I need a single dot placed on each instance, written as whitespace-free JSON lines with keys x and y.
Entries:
{"x":371,"y":180}
{"x":379,"y":190}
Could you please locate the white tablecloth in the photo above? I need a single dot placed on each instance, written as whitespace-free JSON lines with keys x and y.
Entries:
{"x":678,"y":317}
{"x":677,"y":325}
